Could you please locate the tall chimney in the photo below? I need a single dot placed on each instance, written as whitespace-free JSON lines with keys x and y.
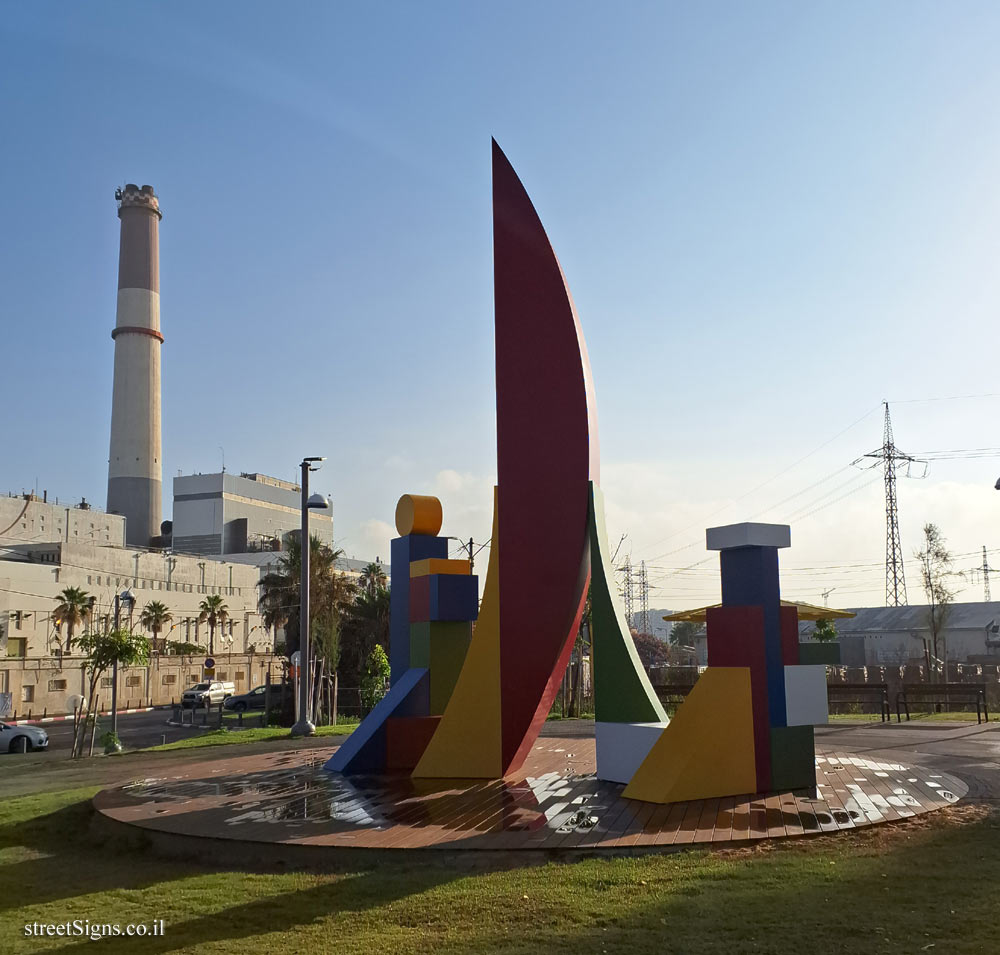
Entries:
{"x":135,"y":462}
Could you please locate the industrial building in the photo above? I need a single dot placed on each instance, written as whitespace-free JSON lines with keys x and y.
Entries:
{"x":225,"y":513}
{"x":897,"y":636}
{"x":35,"y":667}
{"x":27,"y":517}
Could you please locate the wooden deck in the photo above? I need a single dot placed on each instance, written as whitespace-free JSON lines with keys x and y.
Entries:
{"x":554,"y":803}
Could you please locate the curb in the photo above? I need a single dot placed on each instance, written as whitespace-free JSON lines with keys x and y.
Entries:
{"x":69,"y":716}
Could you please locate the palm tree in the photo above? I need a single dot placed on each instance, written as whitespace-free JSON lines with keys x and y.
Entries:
{"x":73,"y":608}
{"x":329,"y":590}
{"x":154,"y":616}
{"x":373,"y":579}
{"x":214,"y":610}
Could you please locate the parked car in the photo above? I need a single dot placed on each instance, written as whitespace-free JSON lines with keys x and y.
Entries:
{"x":22,"y":739}
{"x":254,"y":700}
{"x":202,"y":693}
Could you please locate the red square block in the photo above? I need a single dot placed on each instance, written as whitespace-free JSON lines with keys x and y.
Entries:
{"x":736,"y":639}
{"x":789,"y":617}
{"x":406,"y":738}
{"x":420,"y":599}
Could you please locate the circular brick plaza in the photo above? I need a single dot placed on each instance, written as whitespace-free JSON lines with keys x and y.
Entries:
{"x":555,"y":804}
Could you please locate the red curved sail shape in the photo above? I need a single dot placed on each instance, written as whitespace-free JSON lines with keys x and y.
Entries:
{"x":546,"y":456}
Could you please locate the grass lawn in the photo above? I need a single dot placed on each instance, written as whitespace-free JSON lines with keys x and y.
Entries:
{"x":925,"y":886}
{"x":228,"y":737}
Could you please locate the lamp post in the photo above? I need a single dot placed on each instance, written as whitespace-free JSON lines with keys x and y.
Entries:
{"x":304,"y":726}
{"x":125,"y":597}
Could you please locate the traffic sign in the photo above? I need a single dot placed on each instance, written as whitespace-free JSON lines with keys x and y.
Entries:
{"x":209,"y":663}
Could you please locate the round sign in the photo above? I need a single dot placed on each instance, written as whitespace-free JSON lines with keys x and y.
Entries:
{"x":209,"y":663}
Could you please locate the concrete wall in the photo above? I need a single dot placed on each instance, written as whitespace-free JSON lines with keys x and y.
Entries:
{"x":44,"y":686}
{"x":39,"y":521}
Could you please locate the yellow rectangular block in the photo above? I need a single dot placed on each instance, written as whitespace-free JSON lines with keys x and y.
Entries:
{"x":707,"y":750}
{"x":439,"y":565}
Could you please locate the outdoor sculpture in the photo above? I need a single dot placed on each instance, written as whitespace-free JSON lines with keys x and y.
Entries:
{"x":461,"y":708}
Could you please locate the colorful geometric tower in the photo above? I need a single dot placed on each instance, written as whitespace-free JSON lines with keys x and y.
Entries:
{"x":747,"y":726}
{"x":135,"y":461}
{"x":433,"y":602}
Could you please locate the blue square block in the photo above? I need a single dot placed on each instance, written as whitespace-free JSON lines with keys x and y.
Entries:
{"x":454,"y":596}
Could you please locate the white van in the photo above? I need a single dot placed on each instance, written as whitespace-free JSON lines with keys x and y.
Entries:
{"x":202,"y":693}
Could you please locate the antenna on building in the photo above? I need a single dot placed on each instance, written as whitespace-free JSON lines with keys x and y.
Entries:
{"x":223,"y":450}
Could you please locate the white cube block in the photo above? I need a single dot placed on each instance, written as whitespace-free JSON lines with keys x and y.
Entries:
{"x":748,"y":535}
{"x":805,"y":695}
{"x":621,"y":748}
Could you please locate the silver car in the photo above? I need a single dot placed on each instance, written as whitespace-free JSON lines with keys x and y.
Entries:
{"x":22,"y":739}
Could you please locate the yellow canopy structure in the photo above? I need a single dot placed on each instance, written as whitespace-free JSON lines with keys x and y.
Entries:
{"x":806,"y":612}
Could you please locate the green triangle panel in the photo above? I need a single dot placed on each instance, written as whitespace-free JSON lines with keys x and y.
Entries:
{"x":622,"y":691}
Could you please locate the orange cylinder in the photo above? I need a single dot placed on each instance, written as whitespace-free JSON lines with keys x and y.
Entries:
{"x":418,"y":514}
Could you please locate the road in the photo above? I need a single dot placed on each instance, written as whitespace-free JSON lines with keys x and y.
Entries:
{"x":136,"y":730}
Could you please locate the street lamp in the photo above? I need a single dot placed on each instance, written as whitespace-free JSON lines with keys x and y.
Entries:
{"x":304,"y":726}
{"x":125,"y":597}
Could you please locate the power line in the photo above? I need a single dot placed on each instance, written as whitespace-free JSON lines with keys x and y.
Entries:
{"x":704,"y":521}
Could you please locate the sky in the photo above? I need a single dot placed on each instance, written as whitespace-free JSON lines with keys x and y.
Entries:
{"x":772,"y":217}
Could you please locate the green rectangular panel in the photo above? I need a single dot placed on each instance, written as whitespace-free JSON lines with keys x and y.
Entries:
{"x":449,"y":642}
{"x":813,"y":653}
{"x":420,"y":645}
{"x":793,"y":758}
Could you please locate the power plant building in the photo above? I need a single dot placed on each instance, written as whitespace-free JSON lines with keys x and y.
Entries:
{"x":224,"y":513}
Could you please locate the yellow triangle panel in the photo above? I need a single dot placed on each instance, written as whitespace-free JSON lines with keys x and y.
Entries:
{"x":466,"y":744}
{"x":707,"y":750}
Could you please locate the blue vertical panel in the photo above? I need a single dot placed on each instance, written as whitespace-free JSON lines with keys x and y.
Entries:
{"x":750,"y":579}
{"x":402,"y":551}
{"x":364,"y":750}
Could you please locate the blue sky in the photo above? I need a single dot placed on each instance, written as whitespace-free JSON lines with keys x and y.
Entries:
{"x":772,"y":216}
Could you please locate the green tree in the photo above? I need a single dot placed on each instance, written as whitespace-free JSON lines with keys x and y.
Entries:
{"x":330,"y":591}
{"x":375,"y":678}
{"x":685,"y":632}
{"x":652,"y":650}
{"x":73,"y":608}
{"x":824,"y":631}
{"x":103,"y":650}
{"x":364,"y":624}
{"x":373,"y":578}
{"x":214,"y":610}
{"x":155,"y":616}
{"x":325,"y":635}
{"x":935,"y":569}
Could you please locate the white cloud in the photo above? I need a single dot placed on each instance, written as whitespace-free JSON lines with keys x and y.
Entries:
{"x":375,"y":536}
